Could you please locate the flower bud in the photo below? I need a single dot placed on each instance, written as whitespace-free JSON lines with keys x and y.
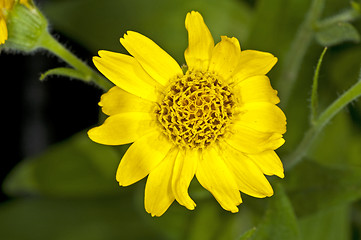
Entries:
{"x":25,"y":25}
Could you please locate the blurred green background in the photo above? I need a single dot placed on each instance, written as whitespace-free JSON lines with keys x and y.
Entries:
{"x":57,"y":184}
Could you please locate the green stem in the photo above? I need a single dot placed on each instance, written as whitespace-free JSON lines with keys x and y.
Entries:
{"x":302,"y":149}
{"x":314,"y":96}
{"x":345,"y":16}
{"x":295,"y":55}
{"x":350,"y":95}
{"x":48,"y":42}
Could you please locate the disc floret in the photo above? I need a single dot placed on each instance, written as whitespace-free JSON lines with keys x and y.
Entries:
{"x":196,"y":109}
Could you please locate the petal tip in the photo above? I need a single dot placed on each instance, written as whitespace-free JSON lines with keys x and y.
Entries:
{"x":122,"y":39}
{"x":194,"y":15}
{"x":274,"y":61}
{"x":120,"y":180}
{"x":269,"y":192}
{"x":191,"y":206}
{"x":92,"y":134}
{"x":96,"y":59}
{"x":234,"y":210}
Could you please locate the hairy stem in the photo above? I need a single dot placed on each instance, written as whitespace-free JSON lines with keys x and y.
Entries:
{"x":49,"y":43}
{"x":307,"y":141}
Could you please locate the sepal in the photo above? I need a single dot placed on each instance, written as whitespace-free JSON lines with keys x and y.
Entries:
{"x":26,"y":25}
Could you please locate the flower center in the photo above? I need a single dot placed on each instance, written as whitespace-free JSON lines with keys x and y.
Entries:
{"x":196,"y":109}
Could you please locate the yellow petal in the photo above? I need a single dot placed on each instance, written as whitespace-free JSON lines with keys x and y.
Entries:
{"x":263,"y":116}
{"x":27,"y":3}
{"x":116,"y":100}
{"x":125,"y":72}
{"x":122,"y":128}
{"x":7,"y":4}
{"x":268,"y":162}
{"x":249,"y":177}
{"x":184,"y":169}
{"x":155,"y":61}
{"x":3,"y":31}
{"x":200,"y":42}
{"x":225,"y":57}
{"x":252,"y":63}
{"x":213,"y":174}
{"x":137,"y":69}
{"x":256,"y":89}
{"x":248,"y":140}
{"x":158,"y":190}
{"x":142,"y":157}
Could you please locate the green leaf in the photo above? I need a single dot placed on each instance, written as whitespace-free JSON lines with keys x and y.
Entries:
{"x":76,"y":167}
{"x":66,"y":72}
{"x":209,"y":221}
{"x":206,"y":222}
{"x":347,"y":15}
{"x":340,"y":134}
{"x":276,"y":18}
{"x":248,"y":235}
{"x":279,"y":222}
{"x":77,"y":219}
{"x":313,"y":187}
{"x":334,"y":34}
{"x":330,"y":224}
{"x":100,"y":24}
{"x":295,"y":55}
{"x":356,"y":6}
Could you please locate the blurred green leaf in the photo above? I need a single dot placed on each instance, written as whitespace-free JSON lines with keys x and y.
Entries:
{"x":334,"y":34}
{"x":248,"y":235}
{"x":206,"y":222}
{"x":173,"y":225}
{"x":76,"y":167}
{"x":313,"y":187}
{"x":277,"y":21}
{"x":356,"y":219}
{"x":356,"y":6}
{"x":99,"y":24}
{"x":340,"y":134}
{"x":34,"y":219}
{"x":342,"y":71}
{"x":330,"y":224}
{"x":349,"y":14}
{"x":210,"y":222}
{"x":295,"y":55}
{"x":279,"y":222}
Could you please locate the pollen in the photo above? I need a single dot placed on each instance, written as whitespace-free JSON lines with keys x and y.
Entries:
{"x":196,"y":109}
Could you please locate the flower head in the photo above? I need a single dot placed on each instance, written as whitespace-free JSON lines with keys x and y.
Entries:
{"x":218,"y":121}
{"x":22,"y":25}
{"x":5,"y":7}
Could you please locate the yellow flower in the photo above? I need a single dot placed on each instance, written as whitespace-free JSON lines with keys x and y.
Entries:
{"x":218,"y":121}
{"x":5,"y":7}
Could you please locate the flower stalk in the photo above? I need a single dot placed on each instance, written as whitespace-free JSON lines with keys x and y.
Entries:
{"x":27,"y":31}
{"x":304,"y":146}
{"x":85,"y":73}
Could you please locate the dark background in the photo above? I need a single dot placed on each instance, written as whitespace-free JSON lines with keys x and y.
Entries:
{"x":38,"y":113}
